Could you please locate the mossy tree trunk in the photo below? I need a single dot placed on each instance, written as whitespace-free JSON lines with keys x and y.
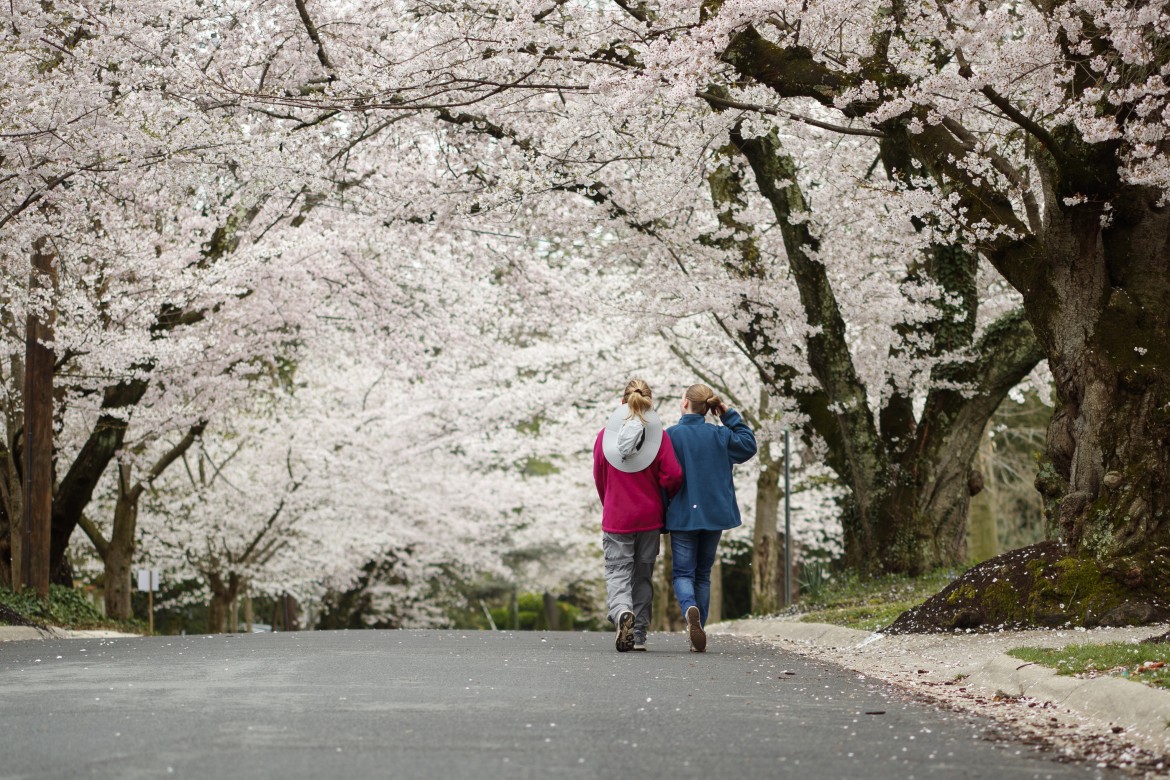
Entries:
{"x":910,"y":476}
{"x":1103,"y":313}
{"x":1089,"y":253}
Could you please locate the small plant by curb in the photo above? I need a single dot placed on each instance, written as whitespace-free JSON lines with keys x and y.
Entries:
{"x":1142,"y":662}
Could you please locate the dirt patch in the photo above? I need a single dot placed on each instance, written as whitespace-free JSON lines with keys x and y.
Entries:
{"x":1041,"y":586}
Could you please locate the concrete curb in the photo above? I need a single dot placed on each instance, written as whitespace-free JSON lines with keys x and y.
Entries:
{"x":25,"y":633}
{"x":1131,"y":705}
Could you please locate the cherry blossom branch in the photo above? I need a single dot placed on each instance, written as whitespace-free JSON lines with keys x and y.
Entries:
{"x":315,"y":37}
{"x":639,"y":10}
{"x":34,"y":197}
{"x":971,"y":144}
{"x":540,"y":16}
{"x":724,"y":102}
{"x":1028,"y":124}
{"x":1000,"y":102}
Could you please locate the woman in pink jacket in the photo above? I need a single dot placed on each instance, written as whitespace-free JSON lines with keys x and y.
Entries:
{"x":635,"y":469}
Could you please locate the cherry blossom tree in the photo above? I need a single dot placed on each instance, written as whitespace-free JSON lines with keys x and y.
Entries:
{"x":457,"y":189}
{"x":1042,"y":128}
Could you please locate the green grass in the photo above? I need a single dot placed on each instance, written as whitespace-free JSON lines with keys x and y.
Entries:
{"x":66,"y":608}
{"x":1116,"y":659}
{"x":872,"y":603}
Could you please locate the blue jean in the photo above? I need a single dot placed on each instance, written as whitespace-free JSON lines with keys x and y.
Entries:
{"x":692,"y":556}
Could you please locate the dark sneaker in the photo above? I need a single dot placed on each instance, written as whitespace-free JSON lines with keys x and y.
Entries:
{"x":624,"y":642}
{"x":639,"y":643}
{"x":695,"y":630}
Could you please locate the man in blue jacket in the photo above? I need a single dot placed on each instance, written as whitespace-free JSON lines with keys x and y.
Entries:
{"x":705,"y":505}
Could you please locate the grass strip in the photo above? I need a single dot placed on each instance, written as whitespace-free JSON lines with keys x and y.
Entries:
{"x":1141,"y":662}
{"x":871,"y":603}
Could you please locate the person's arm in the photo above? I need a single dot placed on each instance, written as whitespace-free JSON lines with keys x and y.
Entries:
{"x":599,"y":464}
{"x":742,"y":444}
{"x":670,"y":475}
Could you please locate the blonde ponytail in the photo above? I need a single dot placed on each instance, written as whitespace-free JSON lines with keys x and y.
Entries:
{"x":637,"y":397}
{"x":702,"y":399}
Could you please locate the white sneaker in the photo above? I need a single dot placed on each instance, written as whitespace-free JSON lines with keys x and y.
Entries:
{"x":695,"y":630}
{"x":624,"y":641}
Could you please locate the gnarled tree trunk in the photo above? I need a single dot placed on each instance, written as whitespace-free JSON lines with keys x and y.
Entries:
{"x":1104,"y":317}
{"x":910,"y":478}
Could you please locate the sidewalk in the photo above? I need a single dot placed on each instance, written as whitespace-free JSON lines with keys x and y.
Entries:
{"x":971,"y":672}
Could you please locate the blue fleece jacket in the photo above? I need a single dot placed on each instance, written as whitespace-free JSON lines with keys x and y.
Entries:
{"x":706,"y":500}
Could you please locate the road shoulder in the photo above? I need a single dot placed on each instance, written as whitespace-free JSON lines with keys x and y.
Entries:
{"x":972,"y":672}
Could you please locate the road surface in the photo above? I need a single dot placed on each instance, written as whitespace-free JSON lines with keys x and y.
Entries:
{"x":449,"y":704}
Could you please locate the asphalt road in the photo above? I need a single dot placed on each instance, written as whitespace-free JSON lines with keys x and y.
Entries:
{"x":435,"y":704}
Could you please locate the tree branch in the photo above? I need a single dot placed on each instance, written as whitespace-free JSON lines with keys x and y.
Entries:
{"x":723,"y":102}
{"x":315,"y":37}
{"x":95,"y":535}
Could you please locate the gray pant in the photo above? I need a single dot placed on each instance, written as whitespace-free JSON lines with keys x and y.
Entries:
{"x":629,"y":575}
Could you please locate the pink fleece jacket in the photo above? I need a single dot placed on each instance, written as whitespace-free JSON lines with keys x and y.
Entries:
{"x":633,"y":502}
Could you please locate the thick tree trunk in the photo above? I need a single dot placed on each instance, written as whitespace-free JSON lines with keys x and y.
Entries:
{"x":767,"y":544}
{"x":222,"y":595}
{"x":551,"y":614}
{"x":118,"y":585}
{"x":217,"y":614}
{"x":1098,"y":304}
{"x":119,"y":553}
{"x":982,"y":523}
{"x":1105,"y":321}
{"x":38,"y":427}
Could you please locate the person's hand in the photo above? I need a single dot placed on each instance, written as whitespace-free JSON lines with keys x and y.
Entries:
{"x":721,"y":410}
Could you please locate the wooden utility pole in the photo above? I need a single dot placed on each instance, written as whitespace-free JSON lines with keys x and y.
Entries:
{"x":38,"y":422}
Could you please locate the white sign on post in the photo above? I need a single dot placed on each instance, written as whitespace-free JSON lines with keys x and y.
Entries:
{"x":148,"y":579}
